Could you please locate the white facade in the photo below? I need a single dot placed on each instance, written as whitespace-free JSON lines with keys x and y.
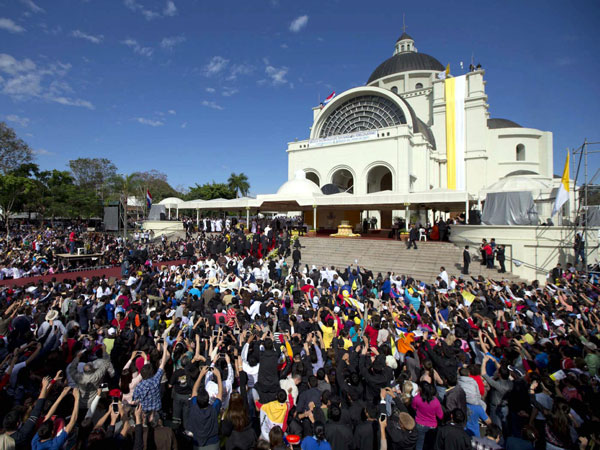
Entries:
{"x":391,"y":135}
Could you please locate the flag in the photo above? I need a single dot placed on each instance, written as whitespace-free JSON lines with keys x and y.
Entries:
{"x":454,"y":92}
{"x":563,"y":191}
{"x":445,"y":74}
{"x":468,"y":297}
{"x":148,"y":199}
{"x":328,"y":99}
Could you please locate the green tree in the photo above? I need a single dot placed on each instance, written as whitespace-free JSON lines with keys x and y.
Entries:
{"x":210,"y":191}
{"x":13,"y":192}
{"x":13,"y":151}
{"x":94,"y":173}
{"x":155,"y":182}
{"x":238,"y":183}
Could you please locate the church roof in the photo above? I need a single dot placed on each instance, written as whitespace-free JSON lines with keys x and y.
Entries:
{"x":404,"y":36}
{"x":422,"y":127}
{"x":405,"y":62}
{"x":494,"y":124}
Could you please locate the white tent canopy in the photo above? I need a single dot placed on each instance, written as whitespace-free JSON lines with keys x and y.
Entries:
{"x":170,"y":202}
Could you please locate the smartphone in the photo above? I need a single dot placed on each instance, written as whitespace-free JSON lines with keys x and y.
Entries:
{"x":104,"y":387}
{"x":115,"y":407}
{"x":222,"y":355}
{"x":210,"y":369}
{"x":382,"y":417}
{"x":215,"y":332}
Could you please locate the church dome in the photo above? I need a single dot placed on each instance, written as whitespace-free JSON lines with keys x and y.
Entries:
{"x":299,"y":187}
{"x":406,"y":62}
{"x":494,"y":124}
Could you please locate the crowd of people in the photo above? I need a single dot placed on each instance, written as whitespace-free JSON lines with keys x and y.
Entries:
{"x":236,"y":349}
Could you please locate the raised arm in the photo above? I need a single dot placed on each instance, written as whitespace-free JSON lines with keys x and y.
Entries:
{"x":54,"y":406}
{"x":198,"y":381}
{"x":217,"y":374}
{"x":75,"y":412}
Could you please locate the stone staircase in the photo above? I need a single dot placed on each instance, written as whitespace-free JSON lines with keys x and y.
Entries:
{"x":380,"y":255}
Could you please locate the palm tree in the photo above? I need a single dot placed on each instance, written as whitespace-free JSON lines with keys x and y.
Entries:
{"x":239,"y":184}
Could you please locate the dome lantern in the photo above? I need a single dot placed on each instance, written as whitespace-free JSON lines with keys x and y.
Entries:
{"x":405,"y":44}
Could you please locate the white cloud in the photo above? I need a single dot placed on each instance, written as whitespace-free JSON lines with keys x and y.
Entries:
{"x":169,"y":42}
{"x":137,"y":48}
{"x":216,"y":65}
{"x":32,"y":6}
{"x":9,"y":25}
{"x":150,"y":122}
{"x":41,"y":152}
{"x":170,"y":9}
{"x":184,"y":125}
{"x":210,"y":90}
{"x":136,"y":7}
{"x":276,"y":74}
{"x":212,"y":105}
{"x":240,"y":69}
{"x":298,"y":23}
{"x":284,"y":46}
{"x":72,"y":102}
{"x":89,"y":37}
{"x":228,"y":92}
{"x":172,"y":112}
{"x":25,"y":80}
{"x":23,"y":121}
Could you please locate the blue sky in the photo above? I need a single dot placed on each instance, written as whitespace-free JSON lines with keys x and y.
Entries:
{"x":199,"y":89}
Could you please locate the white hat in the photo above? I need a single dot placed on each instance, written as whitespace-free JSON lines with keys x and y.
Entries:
{"x":391,"y":362}
{"x":112,"y":331}
{"x":51,"y":315}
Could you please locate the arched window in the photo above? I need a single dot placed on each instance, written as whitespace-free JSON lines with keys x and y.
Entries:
{"x":419,"y":86}
{"x":311,"y":176}
{"x":394,"y":89}
{"x":362,"y":113}
{"x":520,"y":152}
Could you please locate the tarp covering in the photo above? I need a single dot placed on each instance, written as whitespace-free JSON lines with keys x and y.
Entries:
{"x":510,"y":208}
{"x":156,"y":211}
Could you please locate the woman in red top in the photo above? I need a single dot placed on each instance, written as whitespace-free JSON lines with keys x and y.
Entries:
{"x":120,"y":321}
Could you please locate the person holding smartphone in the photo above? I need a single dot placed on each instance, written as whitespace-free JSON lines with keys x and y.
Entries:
{"x":147,"y":392}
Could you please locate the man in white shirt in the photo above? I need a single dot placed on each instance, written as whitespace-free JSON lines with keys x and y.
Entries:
{"x":444,"y":275}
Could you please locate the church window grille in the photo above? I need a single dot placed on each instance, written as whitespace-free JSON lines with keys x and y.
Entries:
{"x":419,"y":86}
{"x":366,"y":112}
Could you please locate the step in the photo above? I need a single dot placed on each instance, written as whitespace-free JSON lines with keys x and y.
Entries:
{"x":379,"y":255}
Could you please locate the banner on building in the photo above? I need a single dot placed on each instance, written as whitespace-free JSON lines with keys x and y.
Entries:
{"x":454,"y":90}
{"x":343,"y":139}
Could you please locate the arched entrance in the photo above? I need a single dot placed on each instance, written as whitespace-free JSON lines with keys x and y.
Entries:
{"x":311,"y":176}
{"x":343,"y":179}
{"x":379,"y":178}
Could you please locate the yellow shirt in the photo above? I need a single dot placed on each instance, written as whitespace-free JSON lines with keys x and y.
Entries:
{"x":328,"y":333}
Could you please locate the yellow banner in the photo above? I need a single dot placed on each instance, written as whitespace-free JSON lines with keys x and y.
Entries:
{"x":449,"y":91}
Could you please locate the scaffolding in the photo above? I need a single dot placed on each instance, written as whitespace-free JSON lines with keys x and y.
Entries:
{"x":581,"y":216}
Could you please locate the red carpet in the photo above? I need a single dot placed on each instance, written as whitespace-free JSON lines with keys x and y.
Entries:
{"x":108,"y":272}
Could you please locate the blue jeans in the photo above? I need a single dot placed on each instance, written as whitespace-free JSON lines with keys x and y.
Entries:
{"x":422,"y":431}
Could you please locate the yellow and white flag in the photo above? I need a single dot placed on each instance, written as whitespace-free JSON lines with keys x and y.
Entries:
{"x":454,"y":90}
{"x":563,"y":191}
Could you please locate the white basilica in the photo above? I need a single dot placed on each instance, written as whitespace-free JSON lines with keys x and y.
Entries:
{"x":390,"y":136}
